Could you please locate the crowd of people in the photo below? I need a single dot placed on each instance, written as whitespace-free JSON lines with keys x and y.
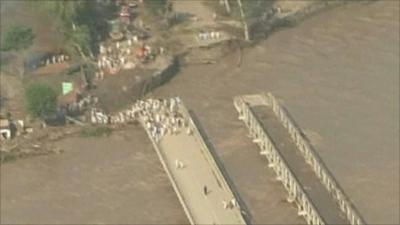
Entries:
{"x":158,"y":116}
{"x":121,"y":55}
{"x":209,"y":35}
{"x":54,"y":59}
{"x":114,"y":57}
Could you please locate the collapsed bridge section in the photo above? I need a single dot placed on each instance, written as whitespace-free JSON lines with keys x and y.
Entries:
{"x":310,"y":185}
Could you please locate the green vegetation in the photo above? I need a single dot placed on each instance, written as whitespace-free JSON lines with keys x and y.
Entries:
{"x":41,"y":100}
{"x":95,"y":131}
{"x":17,"y":37}
{"x":252,"y":9}
{"x":82,"y":23}
{"x":7,"y":157}
{"x":156,"y":7}
{"x":246,"y":11}
{"x":249,"y":11}
{"x":81,"y":39}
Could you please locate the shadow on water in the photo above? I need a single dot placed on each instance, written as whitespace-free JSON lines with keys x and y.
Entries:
{"x":244,"y":209}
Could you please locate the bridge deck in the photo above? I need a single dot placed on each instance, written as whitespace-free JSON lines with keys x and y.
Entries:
{"x":317,"y":193}
{"x":199,"y":170}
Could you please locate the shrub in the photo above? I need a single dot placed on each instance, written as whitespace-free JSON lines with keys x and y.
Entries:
{"x":41,"y":100}
{"x":17,"y":37}
{"x":95,"y":131}
{"x":7,"y":157}
{"x":74,"y":20}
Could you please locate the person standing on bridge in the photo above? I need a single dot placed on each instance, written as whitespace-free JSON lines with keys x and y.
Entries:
{"x":179,"y":164}
{"x":225,"y":204}
{"x":234,"y":202}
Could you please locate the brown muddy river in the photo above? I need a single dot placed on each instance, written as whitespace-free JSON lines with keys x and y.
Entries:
{"x":337,"y":73}
{"x":95,"y":181}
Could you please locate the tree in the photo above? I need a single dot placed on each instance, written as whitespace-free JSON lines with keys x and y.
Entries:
{"x":247,"y":11}
{"x":227,"y":6}
{"x":41,"y":100}
{"x":244,"y":22}
{"x":17,"y":37}
{"x":81,"y":40}
{"x":81,"y":22}
{"x":62,"y":11}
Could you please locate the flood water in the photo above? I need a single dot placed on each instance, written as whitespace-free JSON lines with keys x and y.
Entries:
{"x":114,"y":180}
{"x":338,"y":75}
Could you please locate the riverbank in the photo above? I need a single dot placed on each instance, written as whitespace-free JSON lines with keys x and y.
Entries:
{"x":126,"y":88}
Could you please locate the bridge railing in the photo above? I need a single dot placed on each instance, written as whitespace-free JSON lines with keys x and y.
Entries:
{"x":296,"y":192}
{"x":318,"y":166}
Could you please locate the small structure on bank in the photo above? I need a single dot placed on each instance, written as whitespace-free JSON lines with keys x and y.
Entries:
{"x":5,"y":129}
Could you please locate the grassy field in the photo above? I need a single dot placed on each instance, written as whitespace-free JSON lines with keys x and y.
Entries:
{"x":95,"y":131}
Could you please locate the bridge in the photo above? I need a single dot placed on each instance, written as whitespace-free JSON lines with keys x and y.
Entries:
{"x":202,"y":188}
{"x":310,"y":185}
{"x":191,"y":167}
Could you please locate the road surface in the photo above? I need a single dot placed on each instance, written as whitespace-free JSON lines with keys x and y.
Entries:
{"x":199,"y":171}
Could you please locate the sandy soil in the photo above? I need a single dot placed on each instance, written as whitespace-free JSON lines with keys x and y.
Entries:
{"x":96,"y":180}
{"x":11,"y":91}
{"x":51,"y":69}
{"x":194,"y":7}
